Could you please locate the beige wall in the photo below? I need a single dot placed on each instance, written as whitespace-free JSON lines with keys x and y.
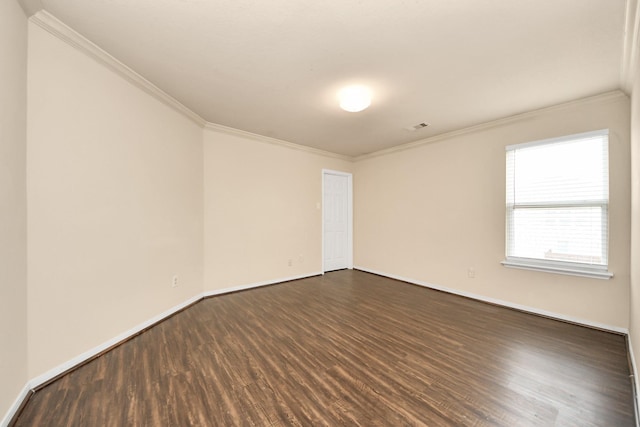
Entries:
{"x":635,"y":215}
{"x":123,"y":194}
{"x":431,"y":212}
{"x":115,"y":204}
{"x":260,"y":203}
{"x":13,"y":208}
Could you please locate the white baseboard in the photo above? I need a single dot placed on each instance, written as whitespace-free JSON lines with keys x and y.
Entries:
{"x":257,"y":284}
{"x":634,"y":379}
{"x":51,"y":374}
{"x":533,"y":310}
{"x":13,"y":409}
{"x":87,"y":355}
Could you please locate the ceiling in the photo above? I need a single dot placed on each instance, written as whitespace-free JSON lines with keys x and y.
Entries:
{"x":274,"y":67}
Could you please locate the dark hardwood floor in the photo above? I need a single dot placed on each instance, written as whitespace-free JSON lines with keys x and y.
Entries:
{"x":347,"y":348}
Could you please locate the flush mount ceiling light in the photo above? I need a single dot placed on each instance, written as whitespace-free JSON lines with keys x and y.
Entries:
{"x":354,"y":98}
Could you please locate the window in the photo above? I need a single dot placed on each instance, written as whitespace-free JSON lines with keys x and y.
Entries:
{"x":558,"y":205}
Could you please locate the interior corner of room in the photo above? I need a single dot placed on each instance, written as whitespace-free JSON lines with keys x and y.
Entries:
{"x":120,"y":205}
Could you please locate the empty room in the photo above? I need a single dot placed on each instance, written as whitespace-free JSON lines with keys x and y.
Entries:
{"x":274,"y":213}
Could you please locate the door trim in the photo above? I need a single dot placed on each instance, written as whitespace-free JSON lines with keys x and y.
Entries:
{"x":349,"y":215}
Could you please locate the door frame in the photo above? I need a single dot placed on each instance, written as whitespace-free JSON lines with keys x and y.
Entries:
{"x":349,"y":215}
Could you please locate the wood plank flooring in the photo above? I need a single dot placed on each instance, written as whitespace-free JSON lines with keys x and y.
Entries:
{"x":347,"y":349}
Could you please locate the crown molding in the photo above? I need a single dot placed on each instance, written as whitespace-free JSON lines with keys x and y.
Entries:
{"x":59,"y":29}
{"x":30,"y":7}
{"x":45,"y":20}
{"x":604,"y":97}
{"x":53,"y":25}
{"x":631,"y":47}
{"x":274,"y":141}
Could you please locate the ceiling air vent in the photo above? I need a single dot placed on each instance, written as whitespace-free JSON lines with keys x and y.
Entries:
{"x":417,"y":127}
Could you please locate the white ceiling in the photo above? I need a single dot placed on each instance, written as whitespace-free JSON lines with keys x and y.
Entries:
{"x":273,"y":67}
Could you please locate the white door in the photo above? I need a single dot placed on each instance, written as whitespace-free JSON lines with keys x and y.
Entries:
{"x":336,"y":202}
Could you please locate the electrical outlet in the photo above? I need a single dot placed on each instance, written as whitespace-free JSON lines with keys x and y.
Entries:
{"x":174,"y":281}
{"x":471,"y":272}
{"x":290,"y":262}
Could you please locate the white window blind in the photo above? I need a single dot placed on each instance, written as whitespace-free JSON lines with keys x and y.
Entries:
{"x":558,"y":203}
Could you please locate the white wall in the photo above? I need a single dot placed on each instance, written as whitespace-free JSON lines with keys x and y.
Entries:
{"x":115,"y":204}
{"x":431,"y":212}
{"x":260,"y":202}
{"x":13,"y":207}
{"x":124,"y":192}
{"x":635,"y":218}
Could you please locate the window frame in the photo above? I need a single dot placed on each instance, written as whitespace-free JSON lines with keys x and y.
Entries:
{"x":555,"y":266}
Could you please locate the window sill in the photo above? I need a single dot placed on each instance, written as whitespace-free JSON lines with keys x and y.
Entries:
{"x":558,"y":268}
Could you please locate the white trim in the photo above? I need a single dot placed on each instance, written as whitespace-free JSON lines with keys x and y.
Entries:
{"x":65,"y":33}
{"x":269,"y":140}
{"x":545,"y":313}
{"x":87,"y":355}
{"x":569,"y":269}
{"x":607,"y":96}
{"x":600,"y":203}
{"x":556,"y":140}
{"x":215,"y":292}
{"x":349,"y":214}
{"x":631,"y":46}
{"x":13,"y":409}
{"x":53,"y":25}
{"x":600,"y":140}
{"x":68,"y":35}
{"x":634,"y":379}
{"x":59,"y":29}
{"x":49,"y":375}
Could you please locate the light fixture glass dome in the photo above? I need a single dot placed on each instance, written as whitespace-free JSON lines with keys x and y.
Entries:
{"x":355,"y":98}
